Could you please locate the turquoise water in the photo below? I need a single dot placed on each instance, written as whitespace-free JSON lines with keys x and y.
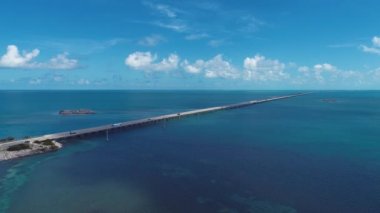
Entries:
{"x":294,"y":155}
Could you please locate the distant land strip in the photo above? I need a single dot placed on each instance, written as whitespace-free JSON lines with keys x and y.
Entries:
{"x":33,"y":144}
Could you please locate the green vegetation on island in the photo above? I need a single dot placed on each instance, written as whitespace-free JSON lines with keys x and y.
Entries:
{"x":18,"y":147}
{"x":46,"y":145}
{"x":49,"y":143}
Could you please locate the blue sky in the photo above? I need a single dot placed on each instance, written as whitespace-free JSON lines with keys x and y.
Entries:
{"x":118,"y":44}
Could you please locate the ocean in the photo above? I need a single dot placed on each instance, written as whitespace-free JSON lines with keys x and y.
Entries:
{"x":304,"y":154}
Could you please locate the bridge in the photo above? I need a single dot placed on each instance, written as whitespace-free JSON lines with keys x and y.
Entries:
{"x":137,"y":123}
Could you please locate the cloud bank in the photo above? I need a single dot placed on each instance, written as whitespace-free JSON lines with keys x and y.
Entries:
{"x":258,"y":69}
{"x":14,"y":59}
{"x":146,"y":61}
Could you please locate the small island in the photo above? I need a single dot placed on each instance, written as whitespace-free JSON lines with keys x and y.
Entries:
{"x":76,"y":112}
{"x":29,"y":148}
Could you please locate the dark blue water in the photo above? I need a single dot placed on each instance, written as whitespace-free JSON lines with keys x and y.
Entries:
{"x":294,"y":155}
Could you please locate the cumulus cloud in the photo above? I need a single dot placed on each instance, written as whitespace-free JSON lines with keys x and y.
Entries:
{"x":375,"y":48}
{"x":61,"y":61}
{"x":375,"y":74}
{"x":14,"y":59}
{"x":255,"y":69}
{"x":321,"y":70}
{"x":376,"y":41}
{"x":324,"y":67}
{"x":304,"y":69}
{"x":167,"y":64}
{"x":370,"y":49}
{"x":195,"y":68}
{"x":327,"y":73}
{"x":216,"y":67}
{"x":140,"y":60}
{"x":259,"y":68}
{"x":146,"y":61}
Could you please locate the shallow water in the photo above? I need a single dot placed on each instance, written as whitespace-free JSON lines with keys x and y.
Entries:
{"x":293,"y":155}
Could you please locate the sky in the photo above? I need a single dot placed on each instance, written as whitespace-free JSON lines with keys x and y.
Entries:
{"x":190,"y":45}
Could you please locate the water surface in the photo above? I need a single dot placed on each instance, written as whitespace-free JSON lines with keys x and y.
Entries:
{"x":293,"y":155}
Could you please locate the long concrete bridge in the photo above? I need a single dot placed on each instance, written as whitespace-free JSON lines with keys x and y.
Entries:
{"x":137,"y":123}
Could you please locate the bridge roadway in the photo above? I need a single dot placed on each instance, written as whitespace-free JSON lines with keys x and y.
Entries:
{"x":140,"y":122}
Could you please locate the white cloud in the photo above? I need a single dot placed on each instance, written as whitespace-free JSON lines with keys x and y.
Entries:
{"x":179,"y":17}
{"x":193,"y":68}
{"x":259,"y":68}
{"x":14,"y":59}
{"x":375,"y":73}
{"x":327,"y":73}
{"x":321,"y":70}
{"x":173,"y":25}
{"x":162,"y":9}
{"x":146,"y":61}
{"x":140,"y":60}
{"x":304,"y":69}
{"x":376,"y":41}
{"x":151,"y":40}
{"x":165,"y":9}
{"x":217,"y":67}
{"x":256,"y":69}
{"x":170,"y":20}
{"x":62,"y":62}
{"x":167,"y":64}
{"x":375,"y":49}
{"x":351,"y":74}
{"x":370,"y":49}
{"x":324,"y":67}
